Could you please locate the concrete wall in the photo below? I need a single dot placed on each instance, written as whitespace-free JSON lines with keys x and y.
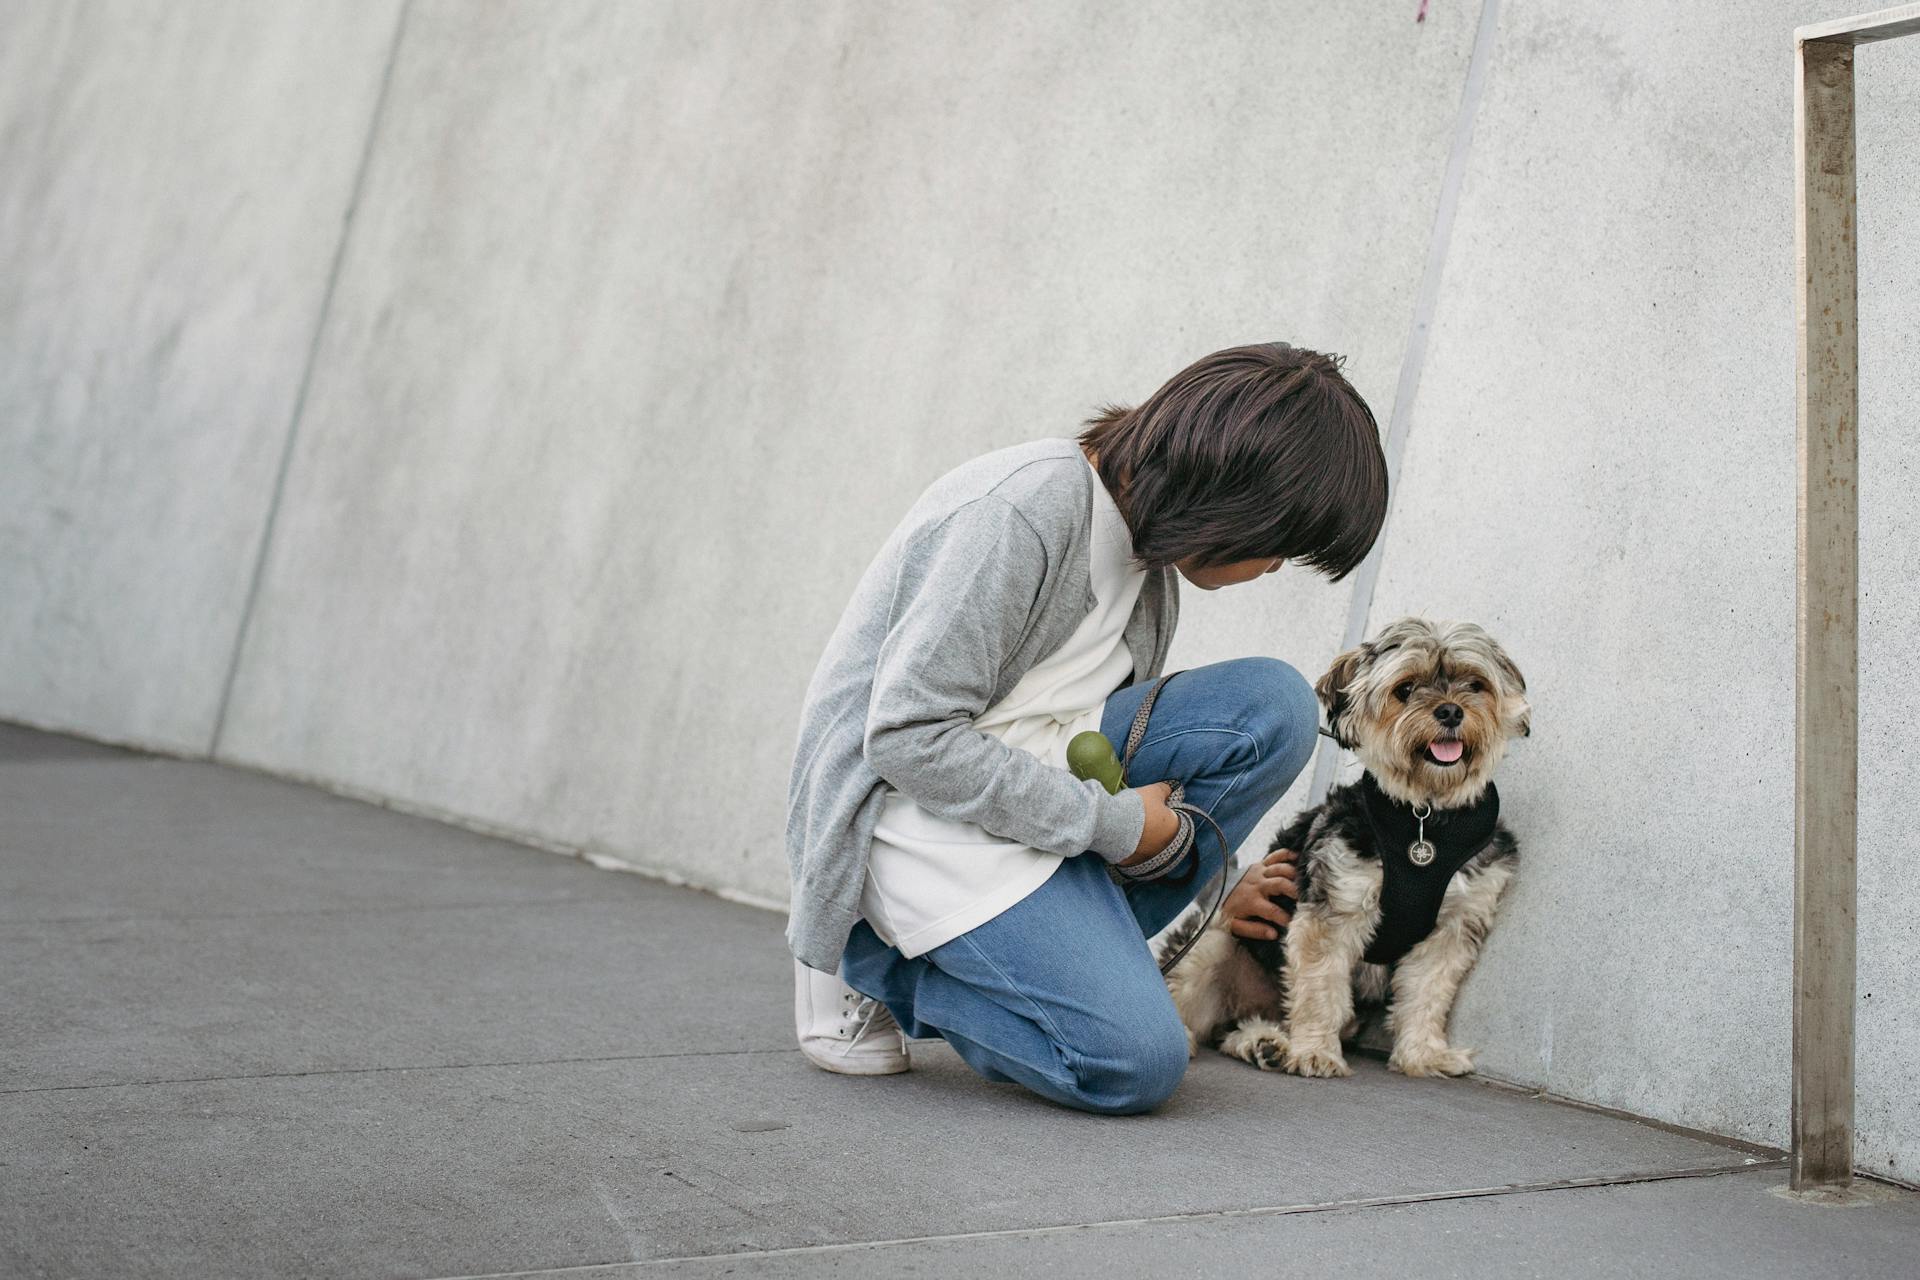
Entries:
{"x":1888,"y":1035}
{"x":1601,"y":467}
{"x":175,"y":182}
{"x":655,"y":316}
{"x":649,"y":320}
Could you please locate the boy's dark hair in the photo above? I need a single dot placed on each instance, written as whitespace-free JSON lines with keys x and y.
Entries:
{"x":1247,"y":454}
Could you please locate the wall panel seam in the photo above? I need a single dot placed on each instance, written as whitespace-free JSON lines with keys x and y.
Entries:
{"x":1414,"y":354}
{"x":291,"y":438}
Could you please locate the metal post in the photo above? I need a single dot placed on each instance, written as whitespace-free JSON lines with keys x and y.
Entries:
{"x":1825,"y":754}
{"x":1826,"y":751}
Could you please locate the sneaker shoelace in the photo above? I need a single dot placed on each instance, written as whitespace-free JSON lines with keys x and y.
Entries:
{"x":860,"y":1010}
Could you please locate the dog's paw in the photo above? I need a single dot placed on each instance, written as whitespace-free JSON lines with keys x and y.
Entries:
{"x":1262,"y":1044}
{"x":1193,"y":1045}
{"x":1440,"y":1061}
{"x":1317,"y":1060}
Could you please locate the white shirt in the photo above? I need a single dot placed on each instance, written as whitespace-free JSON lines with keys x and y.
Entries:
{"x":929,"y":880}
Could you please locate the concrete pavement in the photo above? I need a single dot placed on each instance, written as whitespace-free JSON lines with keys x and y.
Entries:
{"x":253,"y":1029}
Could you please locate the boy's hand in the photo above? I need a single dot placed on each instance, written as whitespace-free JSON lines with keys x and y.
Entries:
{"x":1162,"y":825}
{"x":1250,"y":910}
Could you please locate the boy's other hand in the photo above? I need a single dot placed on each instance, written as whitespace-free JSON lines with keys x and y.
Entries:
{"x":1250,"y":910}
{"x":1162,"y":824}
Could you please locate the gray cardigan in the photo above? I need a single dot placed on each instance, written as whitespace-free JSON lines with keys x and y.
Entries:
{"x":986,"y":575}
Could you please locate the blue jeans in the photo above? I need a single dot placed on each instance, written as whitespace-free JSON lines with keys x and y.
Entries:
{"x":1060,"y":992}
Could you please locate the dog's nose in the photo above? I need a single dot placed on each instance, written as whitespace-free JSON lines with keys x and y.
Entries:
{"x":1449,"y":714}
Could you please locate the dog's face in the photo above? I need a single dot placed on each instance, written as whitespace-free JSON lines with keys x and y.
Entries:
{"x":1428,"y":708}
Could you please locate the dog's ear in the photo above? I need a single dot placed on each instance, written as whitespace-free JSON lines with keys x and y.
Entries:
{"x":1515,"y":691}
{"x":1332,"y":689}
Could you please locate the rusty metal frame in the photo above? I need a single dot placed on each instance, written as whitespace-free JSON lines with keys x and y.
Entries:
{"x":1826,"y":749}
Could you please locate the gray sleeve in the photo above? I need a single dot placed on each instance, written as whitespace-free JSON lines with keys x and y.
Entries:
{"x":961,"y":605}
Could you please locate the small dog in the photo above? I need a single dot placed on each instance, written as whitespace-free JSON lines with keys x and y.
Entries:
{"x":1399,"y":873}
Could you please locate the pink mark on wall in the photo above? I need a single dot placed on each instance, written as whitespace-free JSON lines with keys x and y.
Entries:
{"x":1422,"y":15}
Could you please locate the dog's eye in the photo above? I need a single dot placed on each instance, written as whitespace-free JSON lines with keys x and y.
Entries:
{"x":1403,"y":690}
{"x":1474,"y":686}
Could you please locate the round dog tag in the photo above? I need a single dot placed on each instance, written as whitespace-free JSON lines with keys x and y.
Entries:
{"x":1421,"y":852}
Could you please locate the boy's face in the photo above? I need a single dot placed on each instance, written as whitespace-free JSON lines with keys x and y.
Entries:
{"x":1213,"y":577}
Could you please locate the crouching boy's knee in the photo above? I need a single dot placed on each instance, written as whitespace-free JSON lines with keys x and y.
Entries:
{"x":1288,"y":716}
{"x":1138,"y":1075}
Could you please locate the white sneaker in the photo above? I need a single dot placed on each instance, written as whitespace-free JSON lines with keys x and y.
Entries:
{"x":841,"y":1030}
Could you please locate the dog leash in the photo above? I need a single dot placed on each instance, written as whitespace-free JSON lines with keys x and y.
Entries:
{"x":1190,"y":814}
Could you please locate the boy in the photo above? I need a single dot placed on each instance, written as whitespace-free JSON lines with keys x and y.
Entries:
{"x":945,"y":864}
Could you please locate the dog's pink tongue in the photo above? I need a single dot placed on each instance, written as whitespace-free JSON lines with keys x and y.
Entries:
{"x":1446,"y":751}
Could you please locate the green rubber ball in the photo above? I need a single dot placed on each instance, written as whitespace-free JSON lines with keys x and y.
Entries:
{"x":1090,"y":755}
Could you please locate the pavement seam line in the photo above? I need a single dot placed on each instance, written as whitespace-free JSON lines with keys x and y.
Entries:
{"x":1264,"y":1211}
{"x":574,"y":900}
{"x":271,"y":523}
{"x":1413,"y":359}
{"x":368,"y":1071}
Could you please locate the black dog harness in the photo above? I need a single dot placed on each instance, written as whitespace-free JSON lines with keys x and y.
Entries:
{"x":1411,"y":890}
